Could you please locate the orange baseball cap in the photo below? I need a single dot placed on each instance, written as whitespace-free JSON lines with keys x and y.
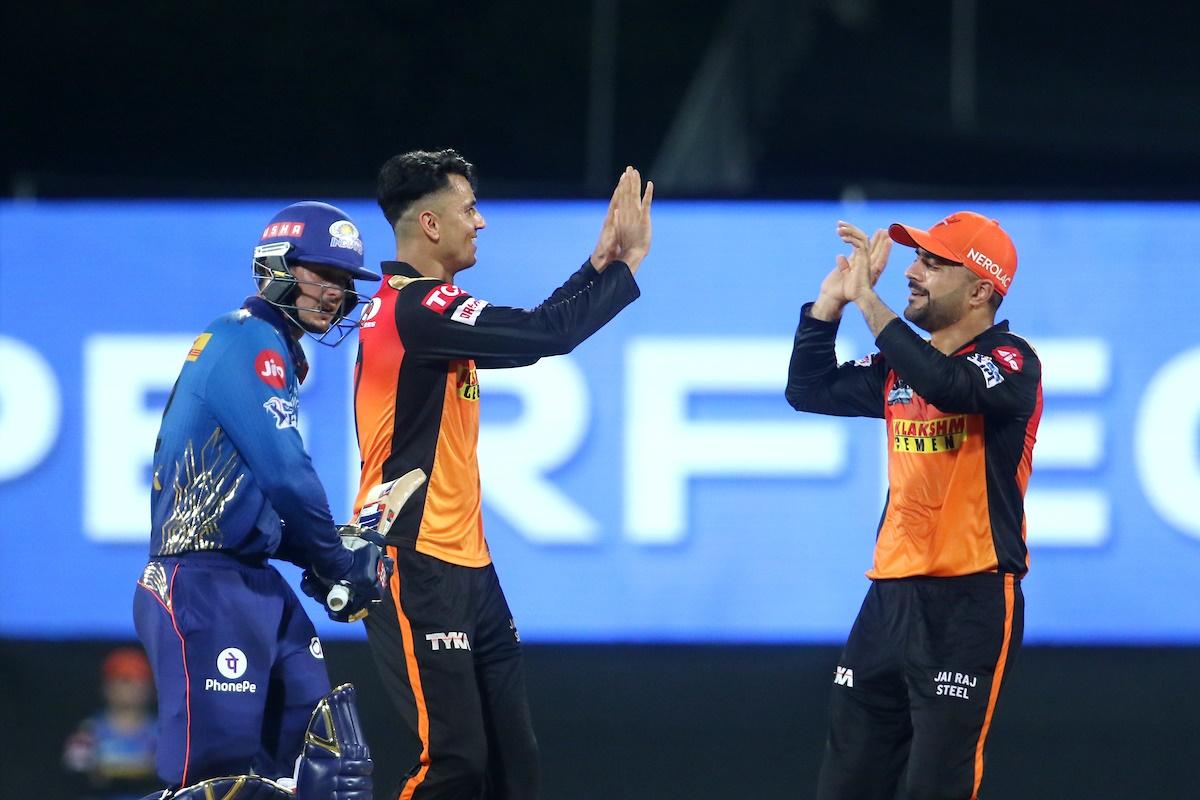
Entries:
{"x":971,"y":239}
{"x":128,"y":663}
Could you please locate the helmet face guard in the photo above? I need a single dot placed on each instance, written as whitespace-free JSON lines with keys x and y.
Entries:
{"x":280,"y":287}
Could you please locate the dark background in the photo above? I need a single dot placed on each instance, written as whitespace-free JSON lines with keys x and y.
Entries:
{"x":787,"y":98}
{"x":699,"y":722}
{"x":760,"y":98}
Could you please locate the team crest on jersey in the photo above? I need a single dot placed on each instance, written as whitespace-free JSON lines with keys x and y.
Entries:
{"x":992,"y":375}
{"x":901,"y":392}
{"x":466,"y":380}
{"x":284,"y":411}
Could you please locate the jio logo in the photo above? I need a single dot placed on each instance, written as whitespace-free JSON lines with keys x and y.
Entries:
{"x":231,"y":663}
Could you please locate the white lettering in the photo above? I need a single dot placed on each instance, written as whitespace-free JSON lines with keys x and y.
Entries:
{"x":455,"y":640}
{"x":517,"y":456}
{"x":1070,"y":444}
{"x":214,"y":685}
{"x":664,"y":449}
{"x":1164,"y":442}
{"x":272,"y":369}
{"x":989,"y":266}
{"x":468,"y":312}
{"x":120,"y":428}
{"x":30,"y":408}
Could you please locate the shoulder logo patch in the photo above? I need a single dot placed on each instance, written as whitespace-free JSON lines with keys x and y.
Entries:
{"x":284,"y":411}
{"x":440,"y":298}
{"x":198,"y":346}
{"x":269,"y":366}
{"x":1009,"y":357}
{"x":991,"y":373}
{"x":468,"y":312}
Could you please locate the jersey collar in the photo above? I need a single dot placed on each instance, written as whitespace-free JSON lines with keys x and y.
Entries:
{"x":399,"y":268}
{"x":969,"y":347}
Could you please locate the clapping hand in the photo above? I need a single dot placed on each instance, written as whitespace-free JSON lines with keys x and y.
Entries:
{"x":626,"y":232}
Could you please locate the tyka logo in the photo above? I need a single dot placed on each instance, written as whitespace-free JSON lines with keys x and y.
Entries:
{"x":844,"y":676}
{"x":452,"y":640}
{"x":269,"y":366}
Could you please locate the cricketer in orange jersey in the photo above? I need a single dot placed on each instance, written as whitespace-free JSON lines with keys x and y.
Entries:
{"x":916,"y":687}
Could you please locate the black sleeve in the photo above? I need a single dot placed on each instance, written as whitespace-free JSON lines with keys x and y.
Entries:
{"x":816,"y":382}
{"x":977,"y":382}
{"x":445,"y":322}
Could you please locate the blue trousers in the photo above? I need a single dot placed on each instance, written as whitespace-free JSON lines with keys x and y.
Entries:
{"x":237,"y":665}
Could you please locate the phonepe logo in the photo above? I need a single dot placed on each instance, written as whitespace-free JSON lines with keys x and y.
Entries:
{"x":231,"y":663}
{"x":657,"y":454}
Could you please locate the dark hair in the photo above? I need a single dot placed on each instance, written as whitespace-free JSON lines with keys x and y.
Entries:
{"x":408,"y":177}
{"x":995,"y":300}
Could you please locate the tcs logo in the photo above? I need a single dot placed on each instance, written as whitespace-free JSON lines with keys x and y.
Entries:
{"x":439,"y":299}
{"x":269,"y":366}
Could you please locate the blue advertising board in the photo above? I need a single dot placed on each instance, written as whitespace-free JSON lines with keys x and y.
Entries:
{"x":653,"y":485}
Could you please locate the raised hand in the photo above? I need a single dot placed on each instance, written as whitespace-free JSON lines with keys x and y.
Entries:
{"x":862,"y":268}
{"x":606,"y":246}
{"x":626,"y":232}
{"x":632,"y":217}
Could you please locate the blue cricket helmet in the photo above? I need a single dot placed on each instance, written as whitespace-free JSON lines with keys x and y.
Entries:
{"x":320,"y":234}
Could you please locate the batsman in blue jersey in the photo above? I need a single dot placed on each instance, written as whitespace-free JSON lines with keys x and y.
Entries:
{"x":237,"y":663}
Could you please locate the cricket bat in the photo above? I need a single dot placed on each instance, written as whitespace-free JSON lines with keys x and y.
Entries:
{"x":378,"y":512}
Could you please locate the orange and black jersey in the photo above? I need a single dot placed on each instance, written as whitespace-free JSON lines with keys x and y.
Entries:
{"x":961,"y":430}
{"x":416,"y":393}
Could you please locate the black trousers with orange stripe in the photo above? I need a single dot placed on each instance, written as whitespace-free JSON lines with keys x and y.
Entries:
{"x":916,"y":688}
{"x":449,"y":655}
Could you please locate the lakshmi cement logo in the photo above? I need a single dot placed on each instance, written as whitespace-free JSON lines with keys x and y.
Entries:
{"x":929,"y":435}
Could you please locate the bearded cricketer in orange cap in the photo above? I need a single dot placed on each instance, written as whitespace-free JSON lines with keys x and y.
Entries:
{"x":916,"y":686}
